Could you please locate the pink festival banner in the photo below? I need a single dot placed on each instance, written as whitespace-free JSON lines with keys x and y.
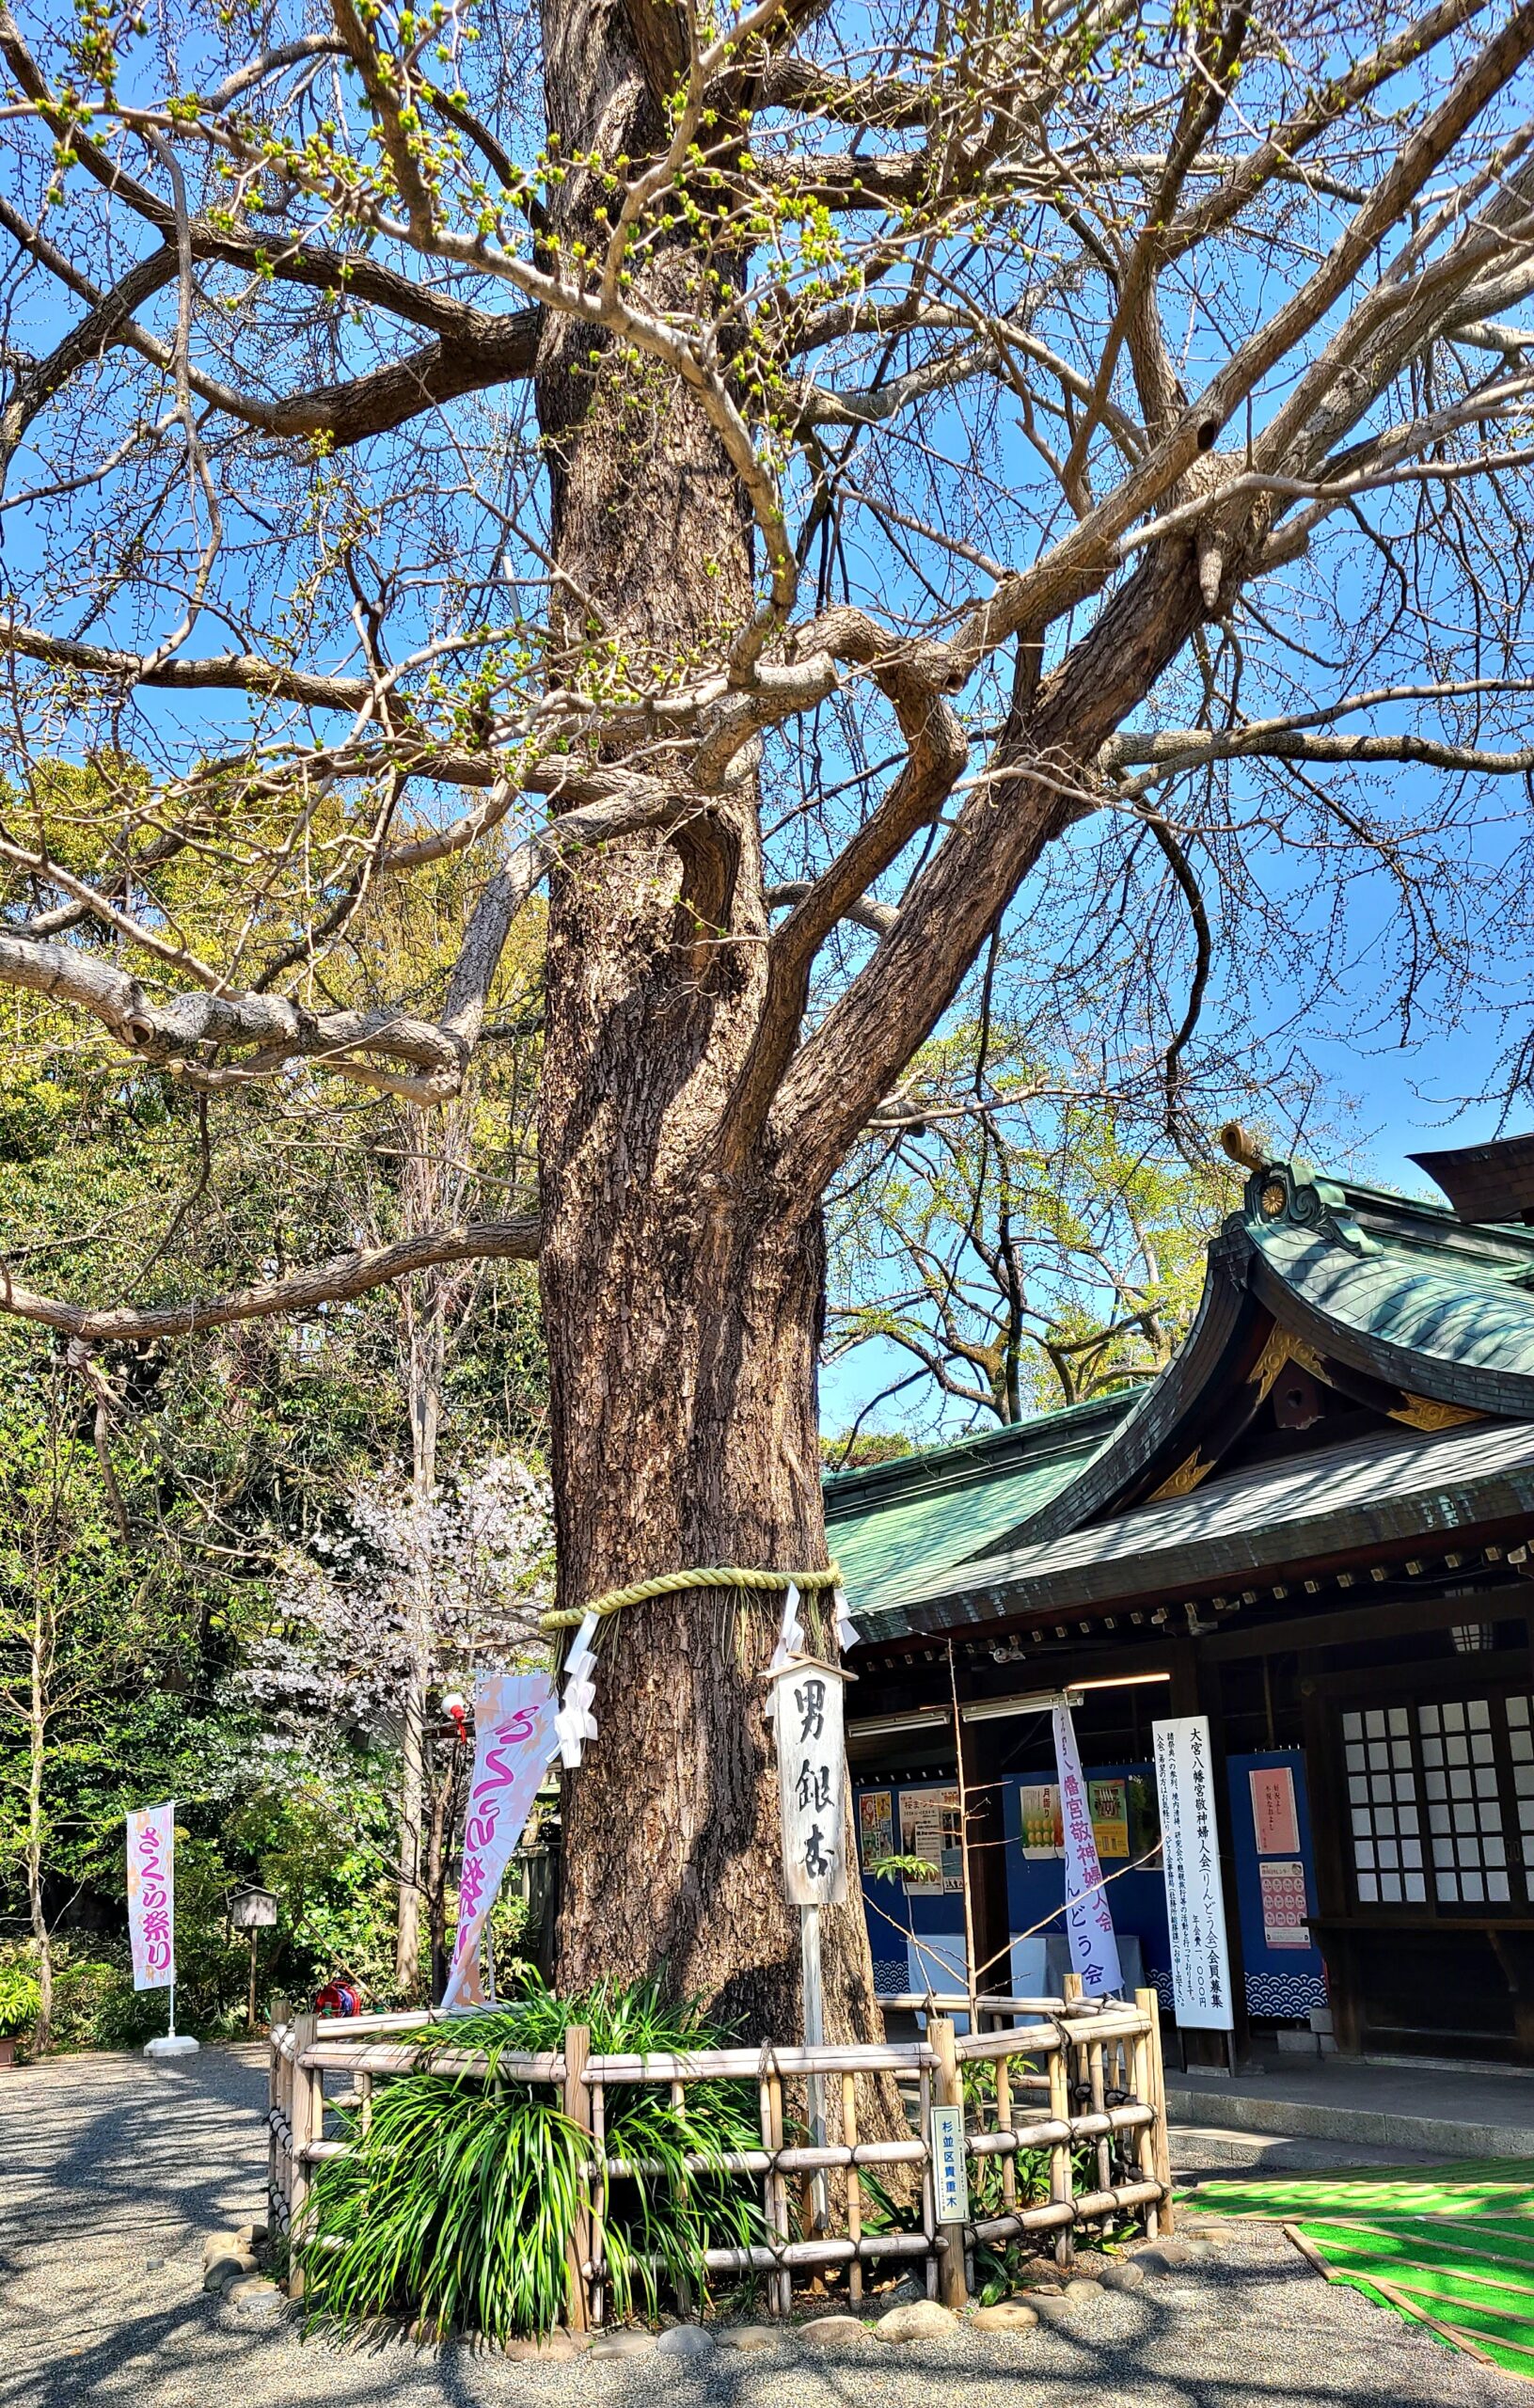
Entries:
{"x":1089,"y":1922}
{"x":514,"y":1738}
{"x":152,"y":1897}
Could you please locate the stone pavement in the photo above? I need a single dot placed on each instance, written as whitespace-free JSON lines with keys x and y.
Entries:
{"x":1372,"y":2110}
{"x":113,"y":2172}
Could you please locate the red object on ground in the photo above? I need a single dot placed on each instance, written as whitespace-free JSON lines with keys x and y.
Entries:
{"x":339,"y":1998}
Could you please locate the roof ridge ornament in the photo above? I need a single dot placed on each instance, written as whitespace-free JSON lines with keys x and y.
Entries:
{"x":1297,"y":1193}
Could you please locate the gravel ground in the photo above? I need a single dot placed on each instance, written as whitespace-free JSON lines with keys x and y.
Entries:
{"x":113,"y":2172}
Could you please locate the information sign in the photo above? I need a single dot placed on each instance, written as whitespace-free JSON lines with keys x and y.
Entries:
{"x":1196,"y":1914}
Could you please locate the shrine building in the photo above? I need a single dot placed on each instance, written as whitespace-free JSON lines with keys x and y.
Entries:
{"x":1312,"y":1527}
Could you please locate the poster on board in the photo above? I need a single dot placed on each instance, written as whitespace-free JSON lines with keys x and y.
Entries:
{"x":1195,"y":1913}
{"x":931,"y":1827}
{"x":1038,"y":1812}
{"x":1275,"y":1816}
{"x":875,"y":1827}
{"x":1286,"y":1921}
{"x":1110,"y":1817}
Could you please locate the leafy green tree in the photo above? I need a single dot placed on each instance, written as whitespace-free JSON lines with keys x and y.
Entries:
{"x":1017,"y":1245}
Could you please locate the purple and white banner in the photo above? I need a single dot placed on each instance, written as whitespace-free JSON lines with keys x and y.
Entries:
{"x":1089,"y":1922}
{"x":513,"y":1737}
{"x":152,"y":1897}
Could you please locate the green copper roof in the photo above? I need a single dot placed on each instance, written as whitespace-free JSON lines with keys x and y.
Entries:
{"x":1398,"y":1304}
{"x":1335,"y":1501}
{"x":911,"y":1519}
{"x":1403,"y":1290}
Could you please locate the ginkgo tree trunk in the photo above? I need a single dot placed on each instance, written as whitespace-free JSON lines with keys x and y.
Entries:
{"x":776,"y":479}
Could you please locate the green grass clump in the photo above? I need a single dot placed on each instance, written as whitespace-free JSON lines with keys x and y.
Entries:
{"x":457,"y":2205}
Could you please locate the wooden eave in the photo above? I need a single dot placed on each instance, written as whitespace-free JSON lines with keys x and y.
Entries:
{"x":1398,"y":1495}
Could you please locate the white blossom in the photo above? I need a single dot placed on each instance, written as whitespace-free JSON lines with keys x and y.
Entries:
{"x":388,"y":1587}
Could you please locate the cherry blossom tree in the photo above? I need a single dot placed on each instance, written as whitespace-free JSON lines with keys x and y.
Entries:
{"x":384,"y":1616}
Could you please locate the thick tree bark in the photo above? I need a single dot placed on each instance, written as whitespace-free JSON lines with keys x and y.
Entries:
{"x":682,"y":1306}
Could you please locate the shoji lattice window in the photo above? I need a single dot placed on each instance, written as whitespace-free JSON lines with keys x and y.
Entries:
{"x":1521,"y":1750}
{"x":1382,"y":1807}
{"x":1464,"y":1812}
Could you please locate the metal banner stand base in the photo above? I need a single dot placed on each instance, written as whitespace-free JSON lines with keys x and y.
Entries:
{"x":171,"y":2043}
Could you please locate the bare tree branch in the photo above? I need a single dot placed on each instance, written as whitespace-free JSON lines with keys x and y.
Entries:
{"x":300,"y":1293}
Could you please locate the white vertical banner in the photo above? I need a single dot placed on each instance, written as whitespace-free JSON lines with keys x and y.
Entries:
{"x":1196,"y":1907}
{"x":513,"y":1737}
{"x":1089,"y":1918}
{"x":152,"y":1895}
{"x":806,"y":1711}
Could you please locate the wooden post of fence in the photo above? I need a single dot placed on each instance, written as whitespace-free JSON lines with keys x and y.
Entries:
{"x":1004,"y":2124}
{"x":577,"y":2107}
{"x":950,"y":2093}
{"x":598,"y":2095}
{"x":854,"y":2187}
{"x":274,"y":2221}
{"x":930,"y":2212}
{"x":1097,"y":2076}
{"x":305,"y":2118}
{"x":1060,"y":2182}
{"x":781,"y":2284}
{"x":1139,"y":2085}
{"x":1151,"y":2005}
{"x":679,"y":2102}
{"x":276,"y":2176}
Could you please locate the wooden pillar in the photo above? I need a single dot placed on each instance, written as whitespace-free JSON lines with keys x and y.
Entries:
{"x":1161,"y":2139}
{"x":577,"y":2107}
{"x":1330,"y":1831}
{"x":950,"y":2093}
{"x":854,"y":2185}
{"x":985,"y":1853}
{"x":306,"y":2115}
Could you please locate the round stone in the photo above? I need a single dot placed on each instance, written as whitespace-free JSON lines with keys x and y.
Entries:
{"x":920,"y":2320}
{"x":231,"y":2268}
{"x":746,"y":2336}
{"x":224,"y":2245}
{"x":255,"y":2296}
{"x":832,"y":2332}
{"x":1124,"y":2276}
{"x":1008,"y":2316}
{"x":684,"y":2342}
{"x":1164,"y":2257}
{"x":1052,"y":2308}
{"x":631,"y":2342}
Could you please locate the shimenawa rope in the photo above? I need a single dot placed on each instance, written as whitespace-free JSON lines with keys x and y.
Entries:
{"x":671,"y":1584}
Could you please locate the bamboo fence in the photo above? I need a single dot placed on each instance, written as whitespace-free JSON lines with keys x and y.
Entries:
{"x":1079,"y":2079}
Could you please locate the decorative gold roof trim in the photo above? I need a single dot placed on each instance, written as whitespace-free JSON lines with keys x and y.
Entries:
{"x":1426,"y":1413}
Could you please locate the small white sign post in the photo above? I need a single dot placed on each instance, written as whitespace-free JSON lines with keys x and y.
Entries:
{"x":805,"y":1710}
{"x":950,"y":2168}
{"x":1196,"y":1910}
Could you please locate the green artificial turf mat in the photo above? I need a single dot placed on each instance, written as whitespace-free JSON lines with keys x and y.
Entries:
{"x":1450,"y":2244}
